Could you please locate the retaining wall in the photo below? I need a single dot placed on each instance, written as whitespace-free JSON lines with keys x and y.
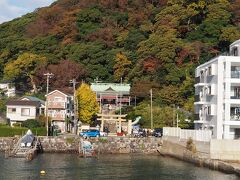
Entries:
{"x":103,"y":145}
{"x":225,"y":149}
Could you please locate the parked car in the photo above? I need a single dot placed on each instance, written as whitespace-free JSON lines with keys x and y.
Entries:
{"x":140,"y":133}
{"x":157,"y":132}
{"x":90,"y":133}
{"x":103,"y":134}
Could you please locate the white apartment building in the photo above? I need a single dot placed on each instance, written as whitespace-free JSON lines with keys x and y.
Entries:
{"x":217,"y":95}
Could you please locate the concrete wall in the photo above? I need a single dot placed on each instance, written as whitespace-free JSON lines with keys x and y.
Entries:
{"x":225,"y":149}
{"x":103,"y":145}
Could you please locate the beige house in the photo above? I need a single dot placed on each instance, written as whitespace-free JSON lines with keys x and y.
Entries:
{"x":60,"y":108}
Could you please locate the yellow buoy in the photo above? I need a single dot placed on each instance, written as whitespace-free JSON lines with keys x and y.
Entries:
{"x":42,"y":172}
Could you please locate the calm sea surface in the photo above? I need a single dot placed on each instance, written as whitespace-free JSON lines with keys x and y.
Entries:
{"x":69,"y":166}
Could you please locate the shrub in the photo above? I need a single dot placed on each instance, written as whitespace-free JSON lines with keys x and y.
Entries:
{"x":103,"y":140}
{"x":191,"y":146}
{"x":7,"y":131}
{"x":31,"y":123}
{"x":17,"y":124}
{"x":70,"y":140}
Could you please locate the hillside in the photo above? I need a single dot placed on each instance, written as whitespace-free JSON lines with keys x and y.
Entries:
{"x":149,"y":43}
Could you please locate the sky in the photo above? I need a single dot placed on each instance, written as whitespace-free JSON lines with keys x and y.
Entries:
{"x":10,"y":9}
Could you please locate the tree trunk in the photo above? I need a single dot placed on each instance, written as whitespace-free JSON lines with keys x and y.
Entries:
{"x":35,"y":90}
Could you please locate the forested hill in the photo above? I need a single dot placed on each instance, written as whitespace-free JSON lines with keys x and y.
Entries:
{"x":149,"y":43}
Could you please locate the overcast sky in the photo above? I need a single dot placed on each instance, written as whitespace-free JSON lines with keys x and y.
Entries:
{"x":10,"y":9}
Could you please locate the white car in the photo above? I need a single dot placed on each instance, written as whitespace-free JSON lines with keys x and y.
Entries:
{"x":103,"y":134}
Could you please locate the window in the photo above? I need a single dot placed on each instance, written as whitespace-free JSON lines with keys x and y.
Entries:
{"x":58,"y":99}
{"x":210,"y":71}
{"x":237,"y":92}
{"x":25,"y":111}
{"x":208,"y":110}
{"x":11,"y":110}
{"x":235,"y":51}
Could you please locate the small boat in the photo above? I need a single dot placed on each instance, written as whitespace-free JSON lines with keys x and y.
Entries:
{"x":26,"y":147}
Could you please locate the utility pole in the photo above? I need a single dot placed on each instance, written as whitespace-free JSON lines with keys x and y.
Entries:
{"x":151,"y":110}
{"x":49,"y":75}
{"x":73,"y":81}
{"x":173,"y":105}
{"x":177,"y":116}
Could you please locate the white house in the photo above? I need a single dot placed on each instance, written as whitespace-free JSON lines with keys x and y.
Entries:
{"x":7,"y":88}
{"x":23,"y":109}
{"x":217,"y":95}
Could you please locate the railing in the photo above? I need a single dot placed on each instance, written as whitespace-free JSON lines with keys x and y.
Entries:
{"x":235,"y":118}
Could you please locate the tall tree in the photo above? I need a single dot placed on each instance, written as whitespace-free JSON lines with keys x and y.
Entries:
{"x":87,"y":103}
{"x":63,"y":72}
{"x":121,"y":67}
{"x":24,"y":67}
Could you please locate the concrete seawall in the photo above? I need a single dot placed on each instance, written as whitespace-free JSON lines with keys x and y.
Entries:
{"x":180,"y":152}
{"x":105,"y":145}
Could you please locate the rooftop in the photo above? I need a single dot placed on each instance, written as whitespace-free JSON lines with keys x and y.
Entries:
{"x":103,"y":87}
{"x":23,"y":103}
{"x":31,"y":98}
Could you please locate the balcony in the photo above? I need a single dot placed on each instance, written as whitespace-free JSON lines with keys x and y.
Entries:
{"x":235,"y":74}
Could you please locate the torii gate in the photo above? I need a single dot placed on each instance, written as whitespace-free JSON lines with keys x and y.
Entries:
{"x":115,"y":118}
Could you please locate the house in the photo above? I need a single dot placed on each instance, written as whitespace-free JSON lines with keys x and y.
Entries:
{"x":24,"y":108}
{"x":7,"y":88}
{"x":111,"y":96}
{"x":60,"y":108}
{"x":217,"y":95}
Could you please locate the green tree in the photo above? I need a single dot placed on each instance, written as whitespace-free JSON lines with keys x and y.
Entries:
{"x":24,"y":67}
{"x":87,"y":103}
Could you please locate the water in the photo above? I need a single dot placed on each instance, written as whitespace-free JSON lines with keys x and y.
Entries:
{"x":69,"y":166}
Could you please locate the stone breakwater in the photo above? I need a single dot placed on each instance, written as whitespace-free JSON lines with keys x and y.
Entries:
{"x":106,"y":145}
{"x":180,"y":152}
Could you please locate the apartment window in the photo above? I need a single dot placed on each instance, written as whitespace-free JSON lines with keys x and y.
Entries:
{"x":237,"y":92}
{"x":208,"y":90}
{"x":235,"y":51}
{"x":235,"y":110}
{"x":210,"y":71}
{"x":25,"y":111}
{"x":208,"y":110}
{"x":11,"y":110}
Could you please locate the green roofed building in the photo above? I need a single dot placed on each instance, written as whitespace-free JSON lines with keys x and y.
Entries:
{"x":112,"y":96}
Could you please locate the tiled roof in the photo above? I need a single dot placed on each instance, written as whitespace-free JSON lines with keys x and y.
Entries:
{"x":23,"y":103}
{"x":31,"y":98}
{"x":103,"y":87}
